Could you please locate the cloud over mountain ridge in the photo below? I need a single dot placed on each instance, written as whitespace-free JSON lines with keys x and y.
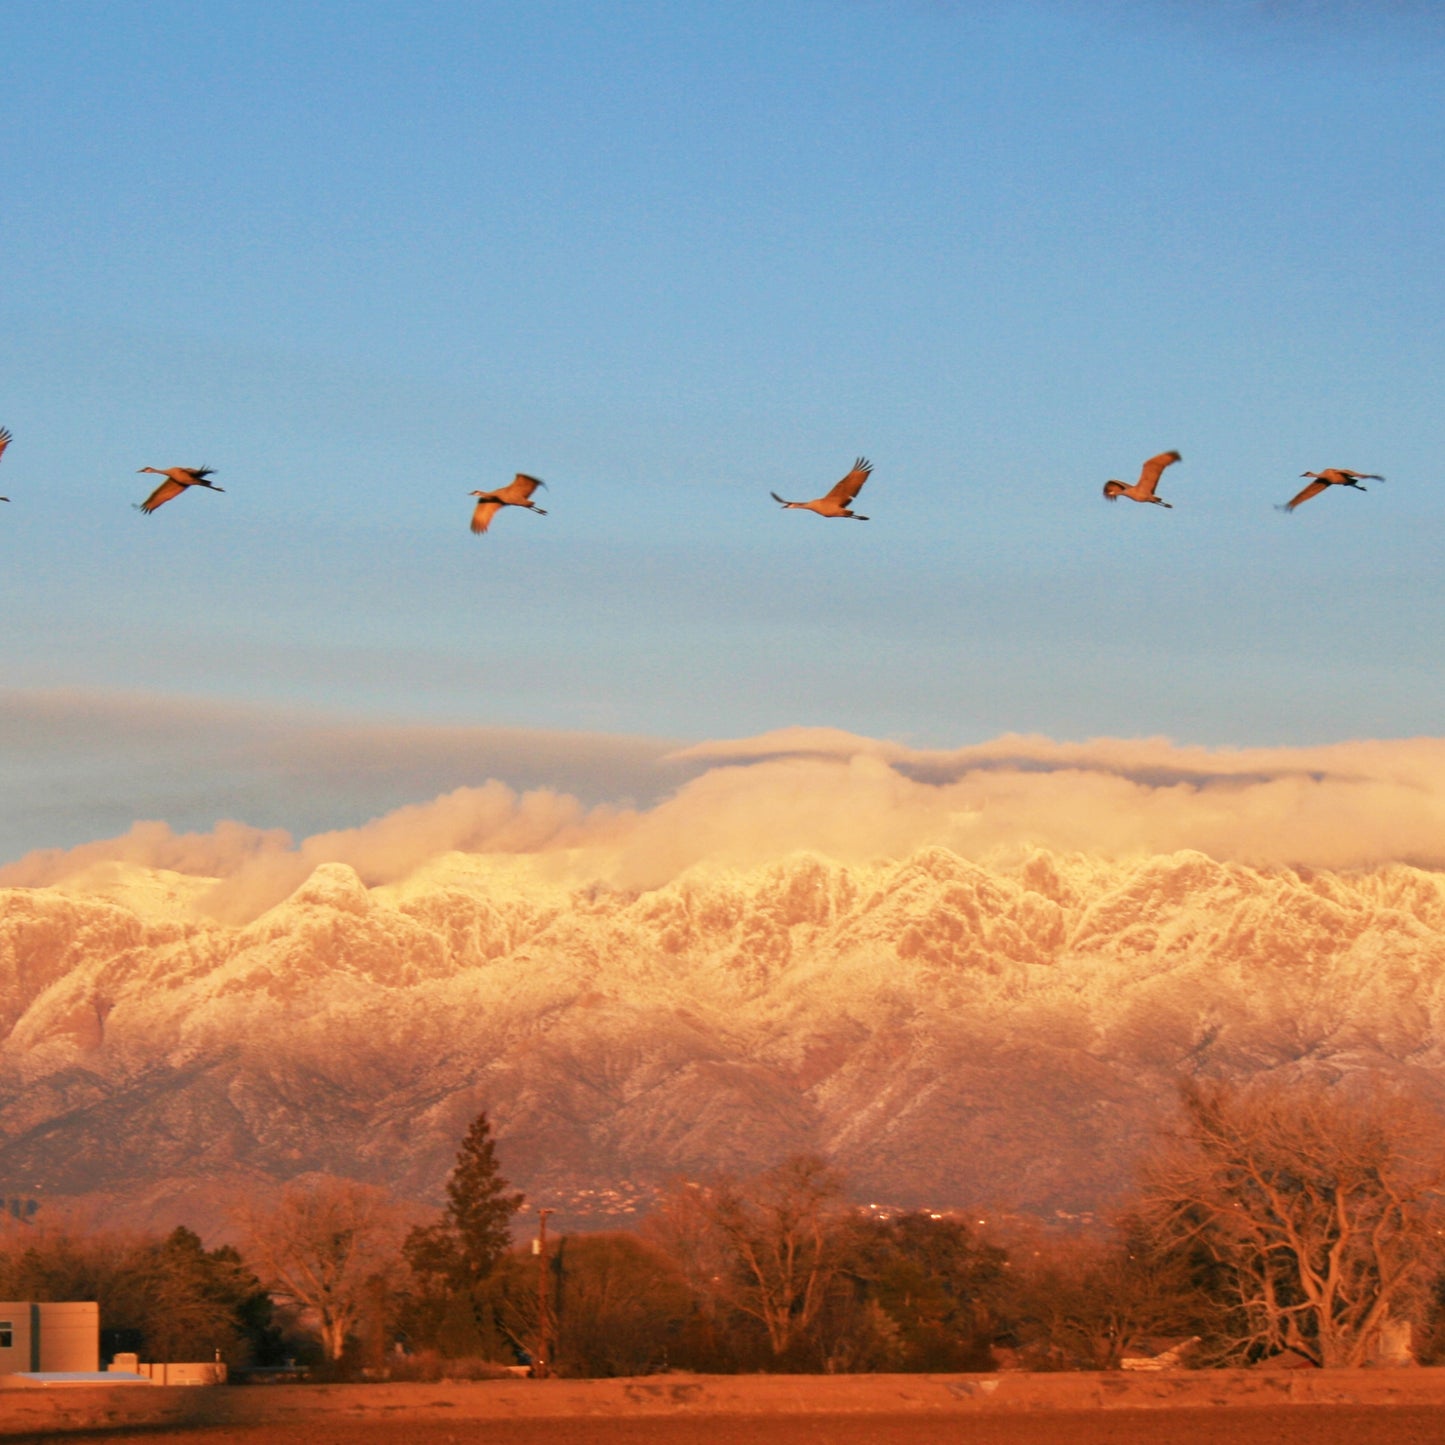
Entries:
{"x":1344,"y":805}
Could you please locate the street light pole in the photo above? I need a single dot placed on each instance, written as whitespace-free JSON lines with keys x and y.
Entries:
{"x":542,"y":1364}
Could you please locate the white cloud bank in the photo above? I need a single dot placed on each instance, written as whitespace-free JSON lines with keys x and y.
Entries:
{"x":1346,"y":805}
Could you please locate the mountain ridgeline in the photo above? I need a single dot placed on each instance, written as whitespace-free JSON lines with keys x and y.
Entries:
{"x":948,"y":1034}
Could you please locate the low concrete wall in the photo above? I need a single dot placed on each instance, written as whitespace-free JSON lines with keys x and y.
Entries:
{"x":35,"y":1411}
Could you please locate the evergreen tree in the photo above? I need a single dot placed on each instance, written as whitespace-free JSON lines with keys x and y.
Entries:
{"x":937,"y":1283}
{"x":165,"y":1298}
{"x":194,"y":1301}
{"x":479,"y":1204}
{"x":457,"y":1255}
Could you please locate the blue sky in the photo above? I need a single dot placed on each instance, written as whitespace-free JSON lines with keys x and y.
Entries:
{"x":363,"y":258}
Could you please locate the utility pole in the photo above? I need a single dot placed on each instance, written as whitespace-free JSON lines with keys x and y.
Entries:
{"x":542,"y":1363}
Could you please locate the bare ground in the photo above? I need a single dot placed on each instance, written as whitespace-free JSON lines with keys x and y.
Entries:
{"x":1318,"y":1407}
{"x":1235,"y":1425}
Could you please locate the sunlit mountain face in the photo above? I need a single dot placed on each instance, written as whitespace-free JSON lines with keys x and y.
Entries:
{"x":997,"y":1033}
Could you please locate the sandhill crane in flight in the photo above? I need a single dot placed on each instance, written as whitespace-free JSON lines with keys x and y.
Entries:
{"x":4,"y":442}
{"x":1143,"y":489}
{"x":177,"y":479}
{"x":837,"y":502}
{"x":517,"y":493}
{"x":1330,"y":477}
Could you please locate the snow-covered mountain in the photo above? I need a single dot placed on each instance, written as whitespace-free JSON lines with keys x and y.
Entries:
{"x":948,"y":1033}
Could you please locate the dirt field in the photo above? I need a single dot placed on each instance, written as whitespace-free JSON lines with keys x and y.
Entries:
{"x":1281,"y":1425}
{"x":1239,"y":1407}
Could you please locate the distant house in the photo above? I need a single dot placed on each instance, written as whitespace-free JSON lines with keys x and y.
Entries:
{"x":190,"y":1372}
{"x":1161,"y":1356}
{"x":49,"y":1337}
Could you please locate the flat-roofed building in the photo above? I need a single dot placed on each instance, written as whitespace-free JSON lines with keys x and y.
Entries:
{"x":63,"y":1336}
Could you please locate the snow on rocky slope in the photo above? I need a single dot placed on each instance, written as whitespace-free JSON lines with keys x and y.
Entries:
{"x":948,"y":1033}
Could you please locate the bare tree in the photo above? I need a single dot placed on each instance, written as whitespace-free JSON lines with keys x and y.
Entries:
{"x":326,"y":1246}
{"x":683,"y":1228}
{"x":769,"y":1247}
{"x":1313,"y":1217}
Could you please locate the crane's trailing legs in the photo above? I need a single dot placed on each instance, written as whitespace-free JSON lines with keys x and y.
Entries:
{"x":840,"y":499}
{"x":517,"y":493}
{"x":1330,"y":477}
{"x":177,"y":479}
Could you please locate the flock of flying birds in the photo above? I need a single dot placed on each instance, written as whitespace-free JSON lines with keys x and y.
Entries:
{"x":836,"y":503}
{"x":1153,"y":469}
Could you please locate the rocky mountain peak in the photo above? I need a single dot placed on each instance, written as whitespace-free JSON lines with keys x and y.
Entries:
{"x":949,"y":1031}
{"x":332,"y":885}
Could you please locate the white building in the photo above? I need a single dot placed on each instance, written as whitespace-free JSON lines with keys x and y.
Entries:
{"x":49,"y":1338}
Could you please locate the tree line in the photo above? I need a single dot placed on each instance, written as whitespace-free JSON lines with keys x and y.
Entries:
{"x":1282,"y":1220}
